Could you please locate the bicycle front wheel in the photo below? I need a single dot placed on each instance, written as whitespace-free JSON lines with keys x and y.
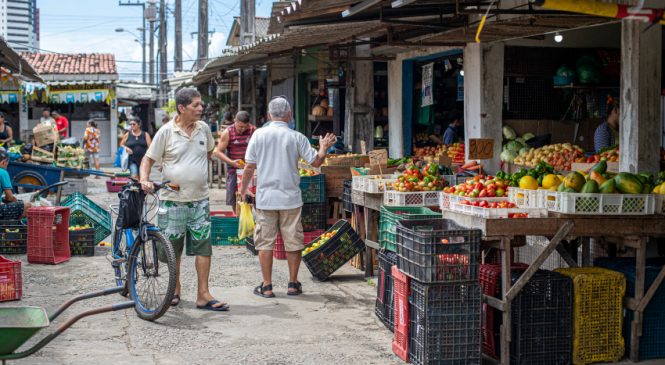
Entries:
{"x":152,"y":276}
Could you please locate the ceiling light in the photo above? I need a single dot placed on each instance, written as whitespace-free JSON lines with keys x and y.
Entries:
{"x":558,"y":37}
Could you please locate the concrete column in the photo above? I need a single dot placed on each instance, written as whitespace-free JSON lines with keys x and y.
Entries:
{"x":395,"y":130}
{"x":483,"y":96}
{"x":359,"y":115}
{"x":22,"y":115}
{"x":640,"y":97}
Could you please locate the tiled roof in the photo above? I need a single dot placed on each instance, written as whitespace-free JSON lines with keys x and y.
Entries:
{"x":75,"y":64}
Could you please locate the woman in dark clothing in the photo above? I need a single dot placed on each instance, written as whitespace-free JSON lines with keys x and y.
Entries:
{"x":136,"y":142}
{"x":5,"y":130}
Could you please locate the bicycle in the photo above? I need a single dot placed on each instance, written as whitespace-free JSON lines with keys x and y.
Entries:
{"x":138,"y":257}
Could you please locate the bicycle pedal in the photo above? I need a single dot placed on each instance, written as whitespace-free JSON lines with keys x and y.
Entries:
{"x":118,"y":262}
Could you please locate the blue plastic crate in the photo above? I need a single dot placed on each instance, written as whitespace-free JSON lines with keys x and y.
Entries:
{"x":84,"y":211}
{"x":224,"y":229}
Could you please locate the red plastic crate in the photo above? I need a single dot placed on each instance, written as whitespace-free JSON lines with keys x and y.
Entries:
{"x":401,"y":337}
{"x":279,"y":252}
{"x":490,"y":281}
{"x":48,"y":235}
{"x":115,"y":185}
{"x":11,"y":284}
{"x":312,"y":235}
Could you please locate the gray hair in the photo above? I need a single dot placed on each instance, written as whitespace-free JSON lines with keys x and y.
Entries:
{"x":279,"y":108}
{"x":242,"y":116}
{"x":185,"y":97}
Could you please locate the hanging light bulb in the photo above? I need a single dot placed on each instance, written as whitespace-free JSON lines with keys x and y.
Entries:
{"x":461,"y":72}
{"x":558,"y":37}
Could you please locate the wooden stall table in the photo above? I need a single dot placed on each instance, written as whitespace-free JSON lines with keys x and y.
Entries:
{"x":366,"y":208}
{"x":499,"y":233}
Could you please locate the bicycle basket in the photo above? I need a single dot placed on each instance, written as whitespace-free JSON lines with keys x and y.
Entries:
{"x":130,"y":208}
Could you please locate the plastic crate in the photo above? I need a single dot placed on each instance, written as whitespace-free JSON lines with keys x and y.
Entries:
{"x":313,"y":189}
{"x":597,"y":314}
{"x":11,"y":283}
{"x":413,"y":199}
{"x":335,"y":252}
{"x":115,"y":185}
{"x":389,"y":218}
{"x":384,"y":307}
{"x":82,"y":242}
{"x":605,"y":204}
{"x":312,"y":235}
{"x":48,"y":235}
{"x":496,"y":213}
{"x":224,"y":229}
{"x":652,"y":341}
{"x":84,"y":212}
{"x":373,"y":184}
{"x":445,"y":323}
{"x":401,"y":286}
{"x":446,"y":200}
{"x":524,"y":198}
{"x":347,"y":203}
{"x":279,"y":251}
{"x":74,"y":185}
{"x":249,"y":245}
{"x":13,"y":237}
{"x":358,"y":198}
{"x":313,"y":216}
{"x":660,"y":203}
{"x":438,"y":250}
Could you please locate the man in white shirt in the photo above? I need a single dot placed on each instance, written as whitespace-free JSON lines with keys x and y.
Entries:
{"x":274,"y":151}
{"x":46,"y":117}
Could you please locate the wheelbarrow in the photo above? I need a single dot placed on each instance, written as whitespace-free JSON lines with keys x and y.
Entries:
{"x":19,"y":324}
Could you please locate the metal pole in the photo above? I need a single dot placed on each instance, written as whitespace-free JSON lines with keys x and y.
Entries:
{"x":143,"y":52}
{"x":152,"y":52}
{"x":203,"y":34}
{"x":178,"y":36}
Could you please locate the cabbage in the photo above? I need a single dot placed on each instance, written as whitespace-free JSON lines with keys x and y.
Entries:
{"x":521,"y":141}
{"x":509,"y":133}
{"x":508,"y":156}
{"x":528,"y":136}
{"x":524,"y":150}
{"x":513,"y":146}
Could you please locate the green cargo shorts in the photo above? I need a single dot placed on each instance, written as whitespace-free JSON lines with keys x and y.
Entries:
{"x":186,"y":224}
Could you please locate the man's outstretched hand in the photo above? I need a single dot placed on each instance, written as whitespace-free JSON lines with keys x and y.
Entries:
{"x":328,"y":141}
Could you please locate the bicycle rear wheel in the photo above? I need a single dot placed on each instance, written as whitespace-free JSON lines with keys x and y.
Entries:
{"x":152,"y":275}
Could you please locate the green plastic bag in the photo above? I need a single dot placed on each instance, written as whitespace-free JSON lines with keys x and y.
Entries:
{"x":246,"y":221}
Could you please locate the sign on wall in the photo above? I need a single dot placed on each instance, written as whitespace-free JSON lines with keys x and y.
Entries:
{"x":428,"y":80}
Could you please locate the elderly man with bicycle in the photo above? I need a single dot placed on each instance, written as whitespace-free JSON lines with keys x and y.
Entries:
{"x":183,"y":147}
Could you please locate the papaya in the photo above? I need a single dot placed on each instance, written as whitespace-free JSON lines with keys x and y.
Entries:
{"x":597,"y":177}
{"x":590,"y":187}
{"x":561,"y":188}
{"x":608,"y":187}
{"x":575,"y":181}
{"x":570,"y":190}
{"x":646,"y":189}
{"x":628,"y":183}
{"x":600,"y":167}
{"x":646,"y":178}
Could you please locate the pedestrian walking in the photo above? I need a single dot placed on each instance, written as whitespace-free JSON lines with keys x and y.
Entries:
{"x":6,"y":134}
{"x":91,"y":143}
{"x":231,"y":150}
{"x":136,"y":143}
{"x":274,"y":151}
{"x":183,"y":147}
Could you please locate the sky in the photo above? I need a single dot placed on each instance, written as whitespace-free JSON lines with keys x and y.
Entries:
{"x":88,"y":26}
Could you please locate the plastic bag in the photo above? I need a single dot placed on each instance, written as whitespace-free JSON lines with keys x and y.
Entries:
{"x":246,"y":221}
{"x":130,"y":208}
{"x":117,"y":157}
{"x":124,"y":160}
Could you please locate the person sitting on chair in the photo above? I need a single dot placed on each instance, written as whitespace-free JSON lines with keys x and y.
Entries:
{"x":10,"y":208}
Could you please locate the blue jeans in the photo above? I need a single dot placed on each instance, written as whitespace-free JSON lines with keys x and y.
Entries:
{"x":133,"y":168}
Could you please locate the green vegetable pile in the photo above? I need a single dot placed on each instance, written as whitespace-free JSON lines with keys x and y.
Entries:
{"x":538,"y":173}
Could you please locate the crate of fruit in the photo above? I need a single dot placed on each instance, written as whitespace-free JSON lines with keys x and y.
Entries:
{"x":495,"y":210}
{"x":438,"y":250}
{"x":600,"y":204}
{"x":11,"y":284}
{"x":446,"y":200}
{"x":313,"y":188}
{"x":13,"y":237}
{"x":389,"y":218}
{"x":525,"y":198}
{"x":411,"y":198}
{"x":313,"y":216}
{"x":332,"y":250}
{"x":373,"y":184}
{"x":224,"y":228}
{"x":86,"y":212}
{"x":82,"y":241}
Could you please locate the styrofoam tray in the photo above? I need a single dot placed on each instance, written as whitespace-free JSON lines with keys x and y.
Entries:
{"x":604,"y":204}
{"x":411,"y":199}
{"x":493,"y":213}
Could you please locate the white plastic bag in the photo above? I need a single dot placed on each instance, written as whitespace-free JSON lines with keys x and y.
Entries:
{"x":124,"y":160}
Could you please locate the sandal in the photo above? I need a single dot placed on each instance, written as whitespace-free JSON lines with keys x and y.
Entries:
{"x":262,"y":289}
{"x":175,"y":301}
{"x":295,"y":285}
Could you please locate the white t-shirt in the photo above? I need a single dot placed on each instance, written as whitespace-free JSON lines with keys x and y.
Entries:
{"x":184,"y":160}
{"x":276,"y":149}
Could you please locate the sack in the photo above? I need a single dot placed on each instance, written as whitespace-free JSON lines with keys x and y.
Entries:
{"x":124,"y":160}
{"x":246,"y":221}
{"x":130,"y":209}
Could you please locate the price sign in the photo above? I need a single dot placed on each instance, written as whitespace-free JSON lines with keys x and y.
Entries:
{"x":363,"y":147}
{"x":481,"y":148}
{"x":378,"y":157}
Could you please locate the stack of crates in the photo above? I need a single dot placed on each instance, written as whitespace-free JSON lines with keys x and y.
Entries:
{"x":389,"y":218}
{"x":441,"y":260}
{"x":314,"y":210}
{"x":652,"y":341}
{"x":385,"y":296}
{"x":597,"y":314}
{"x":84,"y":212}
{"x":347,"y":203}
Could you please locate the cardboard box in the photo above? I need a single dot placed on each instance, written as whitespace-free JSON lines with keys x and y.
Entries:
{"x":45,"y":134}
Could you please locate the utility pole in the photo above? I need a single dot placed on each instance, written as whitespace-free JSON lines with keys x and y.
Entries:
{"x":143,"y":12}
{"x":247,"y":20}
{"x":178,"y":36}
{"x":247,"y":84}
{"x":202,"y":54}
{"x":162,"y":51}
{"x":151,"y":14}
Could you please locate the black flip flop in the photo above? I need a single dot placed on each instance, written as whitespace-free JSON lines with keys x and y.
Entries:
{"x":175,"y":301}
{"x":297,"y":286}
{"x":262,"y":289}
{"x":210,"y":306}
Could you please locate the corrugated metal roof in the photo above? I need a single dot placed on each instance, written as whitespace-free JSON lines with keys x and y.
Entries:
{"x":19,"y":66}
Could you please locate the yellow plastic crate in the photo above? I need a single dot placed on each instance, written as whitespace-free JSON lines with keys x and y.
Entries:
{"x":597,"y":314}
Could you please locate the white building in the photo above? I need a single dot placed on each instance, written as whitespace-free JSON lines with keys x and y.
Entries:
{"x":19,"y":24}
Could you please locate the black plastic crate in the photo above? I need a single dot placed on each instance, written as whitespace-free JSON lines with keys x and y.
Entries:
{"x":438,"y":250}
{"x":385,"y":295}
{"x":313,"y":216}
{"x":335,"y":252}
{"x":82,"y":242}
{"x":13,"y":237}
{"x":313,"y":189}
{"x":347,"y":204}
{"x":249,"y":245}
{"x":445,"y":323}
{"x":542,"y":320}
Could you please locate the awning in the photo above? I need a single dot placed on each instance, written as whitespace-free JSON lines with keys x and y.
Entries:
{"x":130,"y":91}
{"x":11,"y":60}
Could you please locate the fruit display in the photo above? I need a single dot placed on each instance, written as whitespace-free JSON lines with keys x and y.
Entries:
{"x":599,"y":181}
{"x":420,"y":177}
{"x":440,"y":150}
{"x":514,"y":144}
{"x":488,"y":205}
{"x":81,"y":240}
{"x":319,"y":242}
{"x":540,"y":172}
{"x":609,"y":154}
{"x":480,"y":186}
{"x":561,"y":156}
{"x":79,"y":228}
{"x":456,"y":153}
{"x":307,"y":172}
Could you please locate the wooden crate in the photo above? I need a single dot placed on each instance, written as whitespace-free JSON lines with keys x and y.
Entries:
{"x":45,"y":156}
{"x":335,"y":176}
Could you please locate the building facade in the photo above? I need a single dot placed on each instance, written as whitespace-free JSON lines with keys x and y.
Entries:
{"x":19,"y":24}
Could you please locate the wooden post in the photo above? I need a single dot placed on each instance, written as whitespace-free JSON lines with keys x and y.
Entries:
{"x":359,"y":123}
{"x":636,"y":325}
{"x":483,"y":96}
{"x":640,"y":96}
{"x":506,"y":283}
{"x":395,"y":128}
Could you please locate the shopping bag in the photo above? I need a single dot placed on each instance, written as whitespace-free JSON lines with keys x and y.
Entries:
{"x":117,"y":162}
{"x":124,"y":160}
{"x":246,"y":221}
